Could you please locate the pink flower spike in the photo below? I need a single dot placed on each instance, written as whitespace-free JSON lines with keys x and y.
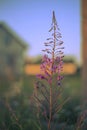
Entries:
{"x":59,"y":83}
{"x":41,"y":76}
{"x":59,"y":78}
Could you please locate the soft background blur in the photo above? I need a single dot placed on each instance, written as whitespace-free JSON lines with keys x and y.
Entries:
{"x":24,"y":26}
{"x":31,"y":20}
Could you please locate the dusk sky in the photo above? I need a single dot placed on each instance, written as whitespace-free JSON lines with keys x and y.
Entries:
{"x":31,"y":20}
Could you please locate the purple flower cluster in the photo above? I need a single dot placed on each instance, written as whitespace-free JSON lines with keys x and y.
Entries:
{"x":52,"y":61}
{"x":47,"y":93}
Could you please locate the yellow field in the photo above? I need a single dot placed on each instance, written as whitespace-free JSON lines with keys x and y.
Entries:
{"x":33,"y":69}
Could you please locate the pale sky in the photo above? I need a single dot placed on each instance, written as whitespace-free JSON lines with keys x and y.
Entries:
{"x":31,"y":20}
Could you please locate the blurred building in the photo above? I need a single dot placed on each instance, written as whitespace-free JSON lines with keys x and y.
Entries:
{"x":12,"y":50}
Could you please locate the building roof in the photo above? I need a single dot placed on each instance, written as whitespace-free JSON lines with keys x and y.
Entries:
{"x":13,"y":34}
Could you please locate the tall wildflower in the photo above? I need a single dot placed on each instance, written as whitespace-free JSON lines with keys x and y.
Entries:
{"x":48,"y":85}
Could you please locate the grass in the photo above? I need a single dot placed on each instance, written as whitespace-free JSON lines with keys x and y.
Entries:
{"x":20,"y":107}
{"x":72,"y":85}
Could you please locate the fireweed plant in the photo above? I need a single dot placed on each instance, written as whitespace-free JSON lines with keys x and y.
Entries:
{"x":48,"y":86}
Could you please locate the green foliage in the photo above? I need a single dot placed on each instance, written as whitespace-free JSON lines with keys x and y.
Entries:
{"x":69,"y":59}
{"x":70,"y":112}
{"x":20,"y":106}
